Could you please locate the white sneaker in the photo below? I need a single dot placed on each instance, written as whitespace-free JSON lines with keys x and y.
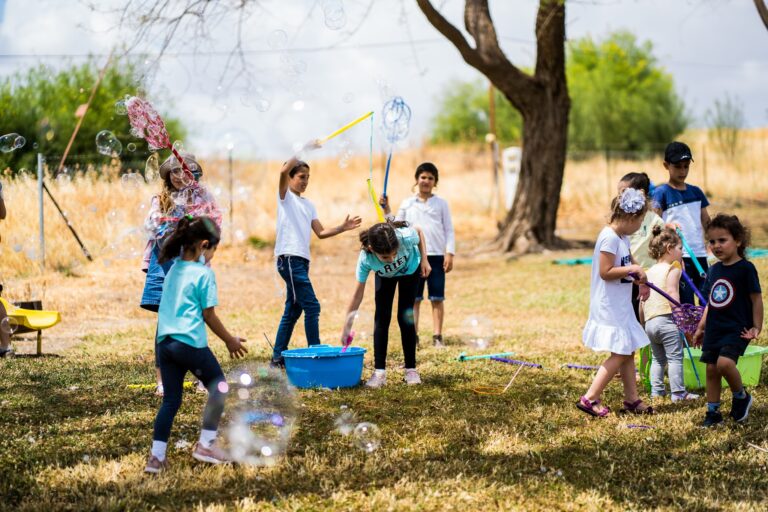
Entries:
{"x":685,"y":396}
{"x":412,"y":376}
{"x":377,"y":380}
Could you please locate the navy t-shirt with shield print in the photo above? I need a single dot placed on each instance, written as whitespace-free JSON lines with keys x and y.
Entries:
{"x":730,"y":304}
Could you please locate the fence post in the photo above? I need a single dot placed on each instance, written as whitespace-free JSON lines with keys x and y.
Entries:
{"x":40,"y":164}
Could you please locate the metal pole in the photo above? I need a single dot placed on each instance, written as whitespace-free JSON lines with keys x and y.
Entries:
{"x":231,"y":202}
{"x":40,"y":163}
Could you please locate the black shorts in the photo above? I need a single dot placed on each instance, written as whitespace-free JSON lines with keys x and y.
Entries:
{"x":732,"y":349}
{"x":435,"y":281}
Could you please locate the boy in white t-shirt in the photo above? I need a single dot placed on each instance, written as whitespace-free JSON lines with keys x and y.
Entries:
{"x":296,"y":218}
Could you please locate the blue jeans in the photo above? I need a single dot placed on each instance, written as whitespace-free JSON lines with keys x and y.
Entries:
{"x":176,"y":359}
{"x":153,"y":285}
{"x":300,"y":296}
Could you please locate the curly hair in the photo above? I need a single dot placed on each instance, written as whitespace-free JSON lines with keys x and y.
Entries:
{"x":738,"y":231}
{"x":663,"y":238}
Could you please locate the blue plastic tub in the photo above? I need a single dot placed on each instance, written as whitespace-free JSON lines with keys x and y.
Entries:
{"x":324,"y":366}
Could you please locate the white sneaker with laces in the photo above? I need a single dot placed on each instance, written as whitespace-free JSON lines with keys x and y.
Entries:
{"x":685,"y":396}
{"x":412,"y":377}
{"x":377,"y":380}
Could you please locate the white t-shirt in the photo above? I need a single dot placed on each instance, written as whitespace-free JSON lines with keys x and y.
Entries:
{"x":294,"y":225}
{"x":612,"y":326}
{"x":434,"y":219}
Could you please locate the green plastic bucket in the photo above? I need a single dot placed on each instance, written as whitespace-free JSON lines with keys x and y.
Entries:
{"x":749,"y":367}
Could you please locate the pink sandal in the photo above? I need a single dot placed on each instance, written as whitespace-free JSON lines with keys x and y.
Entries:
{"x":588,"y":407}
{"x":633,"y":408}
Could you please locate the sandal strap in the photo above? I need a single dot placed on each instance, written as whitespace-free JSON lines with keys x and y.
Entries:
{"x":633,"y":405}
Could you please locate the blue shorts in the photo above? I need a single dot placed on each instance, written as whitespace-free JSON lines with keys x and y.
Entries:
{"x":435,"y":282}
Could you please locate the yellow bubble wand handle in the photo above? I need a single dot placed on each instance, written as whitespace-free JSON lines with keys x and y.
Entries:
{"x":345,"y":127}
{"x":372,"y":193}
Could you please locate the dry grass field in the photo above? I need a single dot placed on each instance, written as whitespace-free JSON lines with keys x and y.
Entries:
{"x":74,"y":438}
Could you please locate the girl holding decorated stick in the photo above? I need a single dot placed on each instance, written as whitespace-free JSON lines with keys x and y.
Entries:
{"x":612,"y":325}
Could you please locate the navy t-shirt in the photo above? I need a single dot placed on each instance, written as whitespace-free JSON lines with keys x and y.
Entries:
{"x":730,"y":305}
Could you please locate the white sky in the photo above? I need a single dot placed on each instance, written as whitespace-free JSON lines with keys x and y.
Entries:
{"x":710,"y":46}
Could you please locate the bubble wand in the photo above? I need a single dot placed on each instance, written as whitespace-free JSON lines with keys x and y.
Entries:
{"x":371,"y":192}
{"x":346,"y":127}
{"x":147,"y":124}
{"x":690,"y":252}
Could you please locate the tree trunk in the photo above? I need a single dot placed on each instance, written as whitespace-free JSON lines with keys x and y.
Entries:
{"x":530,"y":224}
{"x":541,"y":98}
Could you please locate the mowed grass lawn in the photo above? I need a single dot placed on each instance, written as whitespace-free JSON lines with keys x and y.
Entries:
{"x":73,"y":437}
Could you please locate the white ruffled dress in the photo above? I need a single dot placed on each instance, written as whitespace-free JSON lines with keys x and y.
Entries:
{"x":612,"y":326}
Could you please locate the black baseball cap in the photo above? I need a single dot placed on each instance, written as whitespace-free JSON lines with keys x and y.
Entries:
{"x":677,"y":152}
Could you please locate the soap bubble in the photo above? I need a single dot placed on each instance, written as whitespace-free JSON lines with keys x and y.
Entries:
{"x":361,"y":322}
{"x":9,"y":325}
{"x":11,"y":142}
{"x":345,"y":422}
{"x":152,"y":167}
{"x":334,"y":16}
{"x":367,"y":437}
{"x":477,"y":331}
{"x":298,"y":105}
{"x":131,"y":180}
{"x":131,"y":147}
{"x":120,"y":108}
{"x":259,"y":414}
{"x":63,"y":177}
{"x":107,"y":144}
{"x":178,"y":146}
{"x":277,"y":39}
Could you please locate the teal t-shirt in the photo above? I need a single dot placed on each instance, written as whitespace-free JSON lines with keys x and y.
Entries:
{"x":406,"y":262}
{"x":189,"y":288}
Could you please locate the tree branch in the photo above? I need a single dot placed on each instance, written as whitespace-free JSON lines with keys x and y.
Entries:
{"x":762,"y":10}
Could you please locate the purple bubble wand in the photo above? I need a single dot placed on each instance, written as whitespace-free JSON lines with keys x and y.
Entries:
{"x":515,"y":361}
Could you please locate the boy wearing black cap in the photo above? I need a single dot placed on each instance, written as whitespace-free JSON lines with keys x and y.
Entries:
{"x":684,"y":205}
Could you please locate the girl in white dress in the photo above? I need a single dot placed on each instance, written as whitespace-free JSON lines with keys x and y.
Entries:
{"x":612,"y":325}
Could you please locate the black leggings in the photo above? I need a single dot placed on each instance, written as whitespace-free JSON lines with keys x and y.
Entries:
{"x":385,"y":295}
{"x":176,"y":359}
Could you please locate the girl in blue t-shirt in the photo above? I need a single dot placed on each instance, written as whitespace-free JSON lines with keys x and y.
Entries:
{"x":397,"y":254}
{"x":186,"y":307}
{"x":733,"y":317}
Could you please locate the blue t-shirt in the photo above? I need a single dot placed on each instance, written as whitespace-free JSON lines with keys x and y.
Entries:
{"x":406,"y":262}
{"x":730,"y":304}
{"x":683,"y":207}
{"x":189,"y":288}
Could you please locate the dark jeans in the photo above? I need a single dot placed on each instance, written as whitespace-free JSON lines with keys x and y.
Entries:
{"x":300,"y":296}
{"x":176,"y":359}
{"x":686,"y":293}
{"x":385,"y":295}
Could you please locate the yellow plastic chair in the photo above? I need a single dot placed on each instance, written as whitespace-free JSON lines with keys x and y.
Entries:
{"x":30,"y":320}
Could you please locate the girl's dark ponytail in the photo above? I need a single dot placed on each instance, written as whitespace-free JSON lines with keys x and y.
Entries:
{"x":189,"y":231}
{"x":381,"y":237}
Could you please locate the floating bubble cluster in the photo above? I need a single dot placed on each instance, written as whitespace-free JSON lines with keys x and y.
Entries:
{"x":345,"y":422}
{"x":395,"y":119}
{"x":11,"y":142}
{"x":259,"y":415}
{"x":107,"y":144}
{"x":477,"y":331}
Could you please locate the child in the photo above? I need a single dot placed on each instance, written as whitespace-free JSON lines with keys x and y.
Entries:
{"x":666,"y":345}
{"x":685,"y":205}
{"x":186,"y":307}
{"x":639,"y":240}
{"x":431,"y":214}
{"x":734,"y":316}
{"x":168,"y":204}
{"x":612,"y":325}
{"x":397,"y":255}
{"x":296,"y":216}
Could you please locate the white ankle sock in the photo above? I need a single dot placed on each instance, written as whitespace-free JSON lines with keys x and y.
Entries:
{"x":207,"y":437}
{"x":158,"y":449}
{"x":383,"y":373}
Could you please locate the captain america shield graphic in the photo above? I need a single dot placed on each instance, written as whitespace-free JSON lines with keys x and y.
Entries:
{"x":722,"y":294}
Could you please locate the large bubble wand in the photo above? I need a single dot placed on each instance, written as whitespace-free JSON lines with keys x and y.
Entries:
{"x":147,"y":124}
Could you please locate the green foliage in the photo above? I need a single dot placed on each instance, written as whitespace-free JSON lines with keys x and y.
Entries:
{"x":40,"y":105}
{"x":725,"y":121}
{"x":621,"y":98}
{"x":463,"y":115}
